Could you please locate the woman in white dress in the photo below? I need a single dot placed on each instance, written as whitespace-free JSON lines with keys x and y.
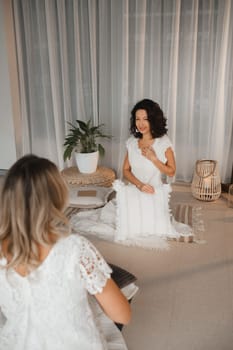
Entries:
{"x":140,"y":214}
{"x":47,"y":275}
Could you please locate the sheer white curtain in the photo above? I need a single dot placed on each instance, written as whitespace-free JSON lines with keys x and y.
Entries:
{"x":82,"y":59}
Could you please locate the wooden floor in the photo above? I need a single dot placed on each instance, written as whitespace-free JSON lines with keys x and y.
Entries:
{"x":185,"y":301}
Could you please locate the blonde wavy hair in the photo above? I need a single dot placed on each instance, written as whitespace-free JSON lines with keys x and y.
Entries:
{"x":33,"y":200}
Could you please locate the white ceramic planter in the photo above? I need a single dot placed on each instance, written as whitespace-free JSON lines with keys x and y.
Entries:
{"x":87,"y":162}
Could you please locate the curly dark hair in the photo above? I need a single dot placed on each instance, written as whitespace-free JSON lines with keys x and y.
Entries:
{"x":155,"y":117}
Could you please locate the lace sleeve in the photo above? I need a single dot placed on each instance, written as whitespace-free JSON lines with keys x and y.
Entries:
{"x":94,"y":269}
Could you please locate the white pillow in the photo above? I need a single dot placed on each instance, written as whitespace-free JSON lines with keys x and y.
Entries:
{"x":88,"y":196}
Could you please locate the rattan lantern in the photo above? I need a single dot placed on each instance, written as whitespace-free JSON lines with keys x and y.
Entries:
{"x":206,"y":183}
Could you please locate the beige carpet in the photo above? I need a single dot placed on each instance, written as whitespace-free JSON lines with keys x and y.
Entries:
{"x":185,"y":300}
{"x":182,"y":212}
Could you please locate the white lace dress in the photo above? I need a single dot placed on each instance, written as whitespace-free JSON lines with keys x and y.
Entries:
{"x":135,"y":217}
{"x":51,"y":309}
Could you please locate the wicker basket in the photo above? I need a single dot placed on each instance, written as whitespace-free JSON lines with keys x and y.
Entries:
{"x":206,"y":183}
{"x":102,"y":177}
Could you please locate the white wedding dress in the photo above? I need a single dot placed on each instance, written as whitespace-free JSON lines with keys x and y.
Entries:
{"x":51,"y":308}
{"x":134,"y":217}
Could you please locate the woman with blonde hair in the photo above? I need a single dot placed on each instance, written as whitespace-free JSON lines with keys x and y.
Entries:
{"x":47,"y":274}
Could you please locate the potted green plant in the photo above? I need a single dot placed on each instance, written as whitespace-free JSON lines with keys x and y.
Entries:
{"x":82,"y":139}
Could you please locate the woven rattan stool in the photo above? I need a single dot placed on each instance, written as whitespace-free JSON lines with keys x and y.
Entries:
{"x":102,"y":177}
